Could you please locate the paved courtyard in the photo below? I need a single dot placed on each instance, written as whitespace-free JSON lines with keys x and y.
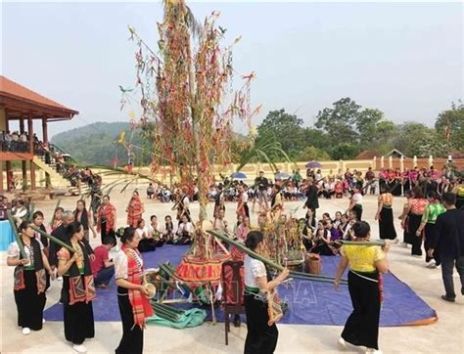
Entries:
{"x":444,"y":336}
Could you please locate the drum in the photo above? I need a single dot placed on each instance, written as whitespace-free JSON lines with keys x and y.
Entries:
{"x":313,"y":263}
{"x":152,"y":281}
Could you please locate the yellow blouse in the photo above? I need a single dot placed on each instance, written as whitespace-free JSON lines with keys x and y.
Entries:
{"x":362,"y":258}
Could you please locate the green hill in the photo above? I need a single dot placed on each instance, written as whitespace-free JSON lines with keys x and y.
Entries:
{"x":96,"y":144}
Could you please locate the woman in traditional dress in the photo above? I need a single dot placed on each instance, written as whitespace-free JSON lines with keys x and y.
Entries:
{"x":29,"y":278}
{"x":38,"y":221}
{"x":356,"y":203}
{"x":169,"y":232}
{"x":338,"y":188}
{"x":242,"y":230}
{"x":432,"y":211}
{"x":277,"y":203}
{"x":57,"y":219}
{"x":84,"y":217}
{"x":323,"y":240}
{"x":417,"y":205}
{"x":366,"y":263}
{"x":147,"y":242}
{"x":261,"y":337}
{"x":242,"y":203}
{"x":219,"y":201}
{"x":407,"y":238}
{"x":385,"y":215}
{"x":106,"y":218}
{"x":78,"y":289}
{"x":134,"y":210}
{"x":134,"y":306}
{"x":220,"y":223}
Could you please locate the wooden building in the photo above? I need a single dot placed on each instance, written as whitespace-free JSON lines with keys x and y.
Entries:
{"x":18,"y":103}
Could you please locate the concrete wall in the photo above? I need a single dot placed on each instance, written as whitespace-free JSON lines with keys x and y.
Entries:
{"x":252,"y":170}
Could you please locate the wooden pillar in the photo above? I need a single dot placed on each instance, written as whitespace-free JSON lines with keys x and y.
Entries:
{"x":9,"y":176}
{"x":45,"y":141}
{"x":21,"y":125}
{"x":7,"y":163}
{"x":30,"y":131}
{"x":24,"y":169}
{"x":1,"y":176}
{"x":32,"y":171}
{"x":44,"y":130}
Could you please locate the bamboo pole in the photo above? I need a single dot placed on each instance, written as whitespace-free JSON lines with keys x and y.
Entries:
{"x":22,"y":251}
{"x":54,"y":239}
{"x":364,"y":243}
{"x":300,"y":275}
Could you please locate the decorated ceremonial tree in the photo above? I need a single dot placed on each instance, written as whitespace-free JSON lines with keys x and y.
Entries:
{"x":186,"y":88}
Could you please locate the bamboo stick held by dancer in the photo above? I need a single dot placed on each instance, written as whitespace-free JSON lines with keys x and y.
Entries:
{"x":54,"y":239}
{"x":268,"y":262}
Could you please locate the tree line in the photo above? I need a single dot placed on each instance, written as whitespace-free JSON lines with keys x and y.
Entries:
{"x":346,"y":129}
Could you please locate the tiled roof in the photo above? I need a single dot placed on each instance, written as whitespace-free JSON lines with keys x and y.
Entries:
{"x":11,"y":89}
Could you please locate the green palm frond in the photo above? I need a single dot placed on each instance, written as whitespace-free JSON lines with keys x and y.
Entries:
{"x":268,"y":149}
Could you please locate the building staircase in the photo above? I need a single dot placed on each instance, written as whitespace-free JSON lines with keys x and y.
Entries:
{"x":57,"y":181}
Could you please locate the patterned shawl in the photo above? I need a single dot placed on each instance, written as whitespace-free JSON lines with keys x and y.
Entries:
{"x":134,"y":211}
{"x":19,"y":280}
{"x":108,"y":212}
{"x":141,"y":307}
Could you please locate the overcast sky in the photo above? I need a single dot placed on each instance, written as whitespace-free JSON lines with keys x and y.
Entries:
{"x":405,"y":59}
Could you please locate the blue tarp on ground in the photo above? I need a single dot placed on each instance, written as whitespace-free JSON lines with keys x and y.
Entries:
{"x":309,"y":302}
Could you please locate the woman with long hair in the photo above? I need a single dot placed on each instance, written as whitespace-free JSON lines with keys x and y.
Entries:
{"x":416,"y":209}
{"x":134,"y":306}
{"x":106,"y":218}
{"x":242,"y":230}
{"x":385,"y":215}
{"x":432,"y":211}
{"x":242,"y":202}
{"x":366,"y":263}
{"x":261,"y":337}
{"x":57,"y":219}
{"x":356,"y":203}
{"x":84,"y":216}
{"x":404,"y":217}
{"x":78,"y":289}
{"x":38,"y":221}
{"x":134,"y":210}
{"x":29,"y":278}
{"x":147,"y":242}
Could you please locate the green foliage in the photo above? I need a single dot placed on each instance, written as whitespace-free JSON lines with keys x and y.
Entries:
{"x":416,"y":139}
{"x":344,"y":151}
{"x":313,"y":153}
{"x":450,"y":125}
{"x":372,"y":127}
{"x":315,"y":137}
{"x":268,"y":149}
{"x":339,"y":122}
{"x":286,"y":129}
